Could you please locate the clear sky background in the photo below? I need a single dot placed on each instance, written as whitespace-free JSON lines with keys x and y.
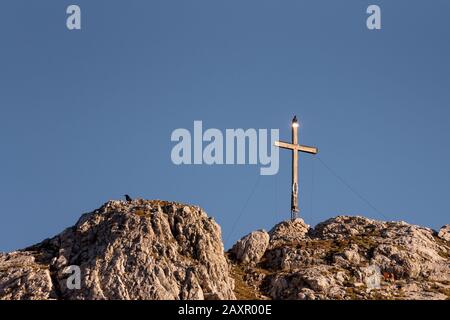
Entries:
{"x":86,"y":116}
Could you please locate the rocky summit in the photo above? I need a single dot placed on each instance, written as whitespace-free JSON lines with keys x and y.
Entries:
{"x":343,"y":258}
{"x":125,"y":250}
{"x":156,"y":249}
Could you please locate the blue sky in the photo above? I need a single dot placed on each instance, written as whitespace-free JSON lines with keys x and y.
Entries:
{"x":86,"y":116}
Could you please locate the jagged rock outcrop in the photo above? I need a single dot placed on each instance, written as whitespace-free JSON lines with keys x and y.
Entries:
{"x":165,"y":250}
{"x":22,"y":277}
{"x":251,"y":248}
{"x":444,"y":232}
{"x":349,"y":258}
{"x":287,"y":232}
{"x":137,"y":250}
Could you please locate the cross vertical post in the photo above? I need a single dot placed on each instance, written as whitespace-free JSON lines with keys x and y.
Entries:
{"x":295,"y":148}
{"x":294,"y":194}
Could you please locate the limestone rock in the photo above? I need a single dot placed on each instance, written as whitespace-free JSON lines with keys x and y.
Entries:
{"x":23,"y":277}
{"x":137,"y":250}
{"x":444,"y":233}
{"x":352,"y":255}
{"x":288,"y":232}
{"x":252,"y":247}
{"x":354,"y":258}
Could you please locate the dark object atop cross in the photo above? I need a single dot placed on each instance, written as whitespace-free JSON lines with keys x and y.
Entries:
{"x":295,"y":147}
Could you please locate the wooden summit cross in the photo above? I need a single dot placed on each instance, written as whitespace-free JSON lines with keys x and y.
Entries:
{"x":295,"y":147}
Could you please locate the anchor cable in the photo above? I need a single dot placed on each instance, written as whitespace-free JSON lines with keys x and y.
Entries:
{"x":243,"y":208}
{"x":312,"y":189}
{"x":276,"y":194}
{"x":361,"y":197}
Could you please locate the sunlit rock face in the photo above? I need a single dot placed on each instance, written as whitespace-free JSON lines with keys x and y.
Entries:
{"x":125,"y":250}
{"x":349,"y":258}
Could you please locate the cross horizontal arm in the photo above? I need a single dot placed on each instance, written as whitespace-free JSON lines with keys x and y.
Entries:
{"x":286,"y":145}
{"x":312,"y":150}
{"x":297,"y":147}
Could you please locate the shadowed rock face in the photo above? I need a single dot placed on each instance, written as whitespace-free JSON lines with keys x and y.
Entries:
{"x":348,"y":258}
{"x":137,"y":250}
